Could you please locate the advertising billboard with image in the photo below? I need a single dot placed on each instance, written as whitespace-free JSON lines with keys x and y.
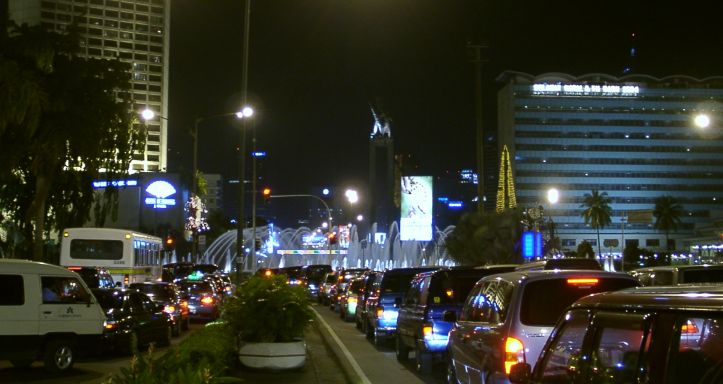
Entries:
{"x":416,"y":205}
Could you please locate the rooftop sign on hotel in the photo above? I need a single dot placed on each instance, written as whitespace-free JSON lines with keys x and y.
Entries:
{"x":585,"y":90}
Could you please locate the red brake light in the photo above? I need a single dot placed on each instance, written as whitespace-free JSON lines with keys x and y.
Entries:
{"x":169,"y":309}
{"x":514,"y":353}
{"x":689,"y":327}
{"x":208,"y":300}
{"x":583,"y":281}
{"x":74,"y":268}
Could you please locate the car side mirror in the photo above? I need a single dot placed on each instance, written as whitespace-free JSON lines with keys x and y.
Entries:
{"x":398,"y":302}
{"x":449,"y":316}
{"x":520,"y":373}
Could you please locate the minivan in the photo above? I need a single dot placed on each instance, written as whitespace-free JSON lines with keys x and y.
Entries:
{"x":47,"y":313}
{"x":420,"y":326}
{"x":507,"y":318}
{"x":636,"y":335}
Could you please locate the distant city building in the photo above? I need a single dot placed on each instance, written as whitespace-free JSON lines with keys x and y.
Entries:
{"x":382,"y":182}
{"x":632,"y":137}
{"x":214,"y":192}
{"x":137,"y":32}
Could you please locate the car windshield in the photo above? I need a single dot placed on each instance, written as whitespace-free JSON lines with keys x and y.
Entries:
{"x":396,"y":282}
{"x":154,"y":291}
{"x":197,"y":287}
{"x":539,"y":309}
{"x":704,"y":275}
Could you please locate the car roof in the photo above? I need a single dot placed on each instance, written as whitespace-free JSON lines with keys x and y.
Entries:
{"x":566,"y":263}
{"x":705,"y":297}
{"x":29,"y":266}
{"x":524,"y":276}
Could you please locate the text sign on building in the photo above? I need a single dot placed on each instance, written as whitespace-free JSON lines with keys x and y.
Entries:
{"x":159,"y":194}
{"x":416,"y":216}
{"x":585,"y":90}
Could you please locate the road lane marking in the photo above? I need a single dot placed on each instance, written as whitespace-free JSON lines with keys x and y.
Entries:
{"x":350,"y":358}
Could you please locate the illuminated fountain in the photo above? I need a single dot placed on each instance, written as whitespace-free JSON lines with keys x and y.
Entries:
{"x":361,"y":252}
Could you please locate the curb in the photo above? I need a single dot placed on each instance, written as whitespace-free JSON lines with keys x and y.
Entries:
{"x":349,"y":367}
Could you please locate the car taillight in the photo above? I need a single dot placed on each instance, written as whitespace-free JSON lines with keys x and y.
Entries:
{"x":208,"y":300}
{"x":380,"y":312}
{"x":514,"y":353}
{"x":169,"y":309}
{"x":74,"y":268}
{"x":582,"y":281}
{"x":126,"y":280}
{"x":110,"y":325}
{"x":184,"y":304}
{"x":689,"y":327}
{"x":427,"y":330}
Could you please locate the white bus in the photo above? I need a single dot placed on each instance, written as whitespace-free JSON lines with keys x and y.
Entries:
{"x":130,"y":257}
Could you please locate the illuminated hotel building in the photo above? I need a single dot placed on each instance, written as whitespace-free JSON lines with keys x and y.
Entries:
{"x":632,"y":137}
{"x":136,"y":31}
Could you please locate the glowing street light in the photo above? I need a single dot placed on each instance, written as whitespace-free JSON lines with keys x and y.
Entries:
{"x":148,"y":114}
{"x":702,"y":120}
{"x":352,"y":196}
{"x":553,"y":195}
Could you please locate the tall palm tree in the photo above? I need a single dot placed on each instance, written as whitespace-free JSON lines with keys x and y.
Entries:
{"x":667,"y":214}
{"x":597,"y":212}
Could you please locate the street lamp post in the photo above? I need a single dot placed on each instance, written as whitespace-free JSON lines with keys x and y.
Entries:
{"x":242,"y":147}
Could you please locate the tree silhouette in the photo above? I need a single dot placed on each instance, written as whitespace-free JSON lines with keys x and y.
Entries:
{"x":667,"y":214}
{"x":597,"y":212}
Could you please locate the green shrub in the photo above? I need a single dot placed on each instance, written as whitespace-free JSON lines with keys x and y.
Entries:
{"x":267,"y":309}
{"x":203,"y":358}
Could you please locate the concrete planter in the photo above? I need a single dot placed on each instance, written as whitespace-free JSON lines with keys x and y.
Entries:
{"x":273,"y":355}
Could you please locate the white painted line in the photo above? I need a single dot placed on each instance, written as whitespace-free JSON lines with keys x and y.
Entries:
{"x":352,"y":361}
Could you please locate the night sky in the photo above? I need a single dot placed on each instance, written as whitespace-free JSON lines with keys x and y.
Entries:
{"x":315,"y":65}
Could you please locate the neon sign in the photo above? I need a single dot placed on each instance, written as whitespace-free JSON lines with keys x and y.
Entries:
{"x":115,"y":183}
{"x":585,"y":90}
{"x":160,"y":192}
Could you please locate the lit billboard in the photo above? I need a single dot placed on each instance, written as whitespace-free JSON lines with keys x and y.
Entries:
{"x":416,"y":216}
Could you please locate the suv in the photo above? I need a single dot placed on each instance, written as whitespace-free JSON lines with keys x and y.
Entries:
{"x":314,"y":277}
{"x":565,"y":263}
{"x":420,"y":326}
{"x":641,"y":335}
{"x":384,"y":301}
{"x":324,"y":294}
{"x":679,"y":274}
{"x":349,"y":298}
{"x":344,"y":277}
{"x":507,"y":318}
{"x":360,"y":315}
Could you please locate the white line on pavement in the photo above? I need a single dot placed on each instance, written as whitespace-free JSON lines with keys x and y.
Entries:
{"x":341,"y":345}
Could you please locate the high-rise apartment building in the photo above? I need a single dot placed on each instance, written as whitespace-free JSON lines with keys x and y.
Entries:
{"x":137,"y":32}
{"x":632,"y":137}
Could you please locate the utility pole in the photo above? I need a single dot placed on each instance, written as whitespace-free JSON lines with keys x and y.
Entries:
{"x":476,"y":58}
{"x":242,"y":148}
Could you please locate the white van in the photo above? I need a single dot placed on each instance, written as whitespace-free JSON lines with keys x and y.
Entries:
{"x":47,"y":313}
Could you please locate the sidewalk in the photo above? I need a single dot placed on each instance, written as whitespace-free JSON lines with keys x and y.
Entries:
{"x":322,"y":364}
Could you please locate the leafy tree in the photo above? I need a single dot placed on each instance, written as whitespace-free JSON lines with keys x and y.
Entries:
{"x":63,"y":119}
{"x":597,"y":212}
{"x":486,"y":238}
{"x":667,"y":214}
{"x":584,"y":249}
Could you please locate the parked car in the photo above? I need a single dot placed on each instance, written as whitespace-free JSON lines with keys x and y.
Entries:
{"x":349,"y":298}
{"x":314,"y":276}
{"x":564,"y":263}
{"x":384,"y":302}
{"x":679,"y":274}
{"x":420,"y":326}
{"x":360,"y":315}
{"x":34,"y":323}
{"x":168,"y":295}
{"x":638,"y":335}
{"x":343,"y":278}
{"x":507,"y":318}
{"x":203,"y":300}
{"x":132,"y":320}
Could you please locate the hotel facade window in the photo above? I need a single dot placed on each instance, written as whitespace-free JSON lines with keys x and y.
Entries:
{"x":632,"y":137}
